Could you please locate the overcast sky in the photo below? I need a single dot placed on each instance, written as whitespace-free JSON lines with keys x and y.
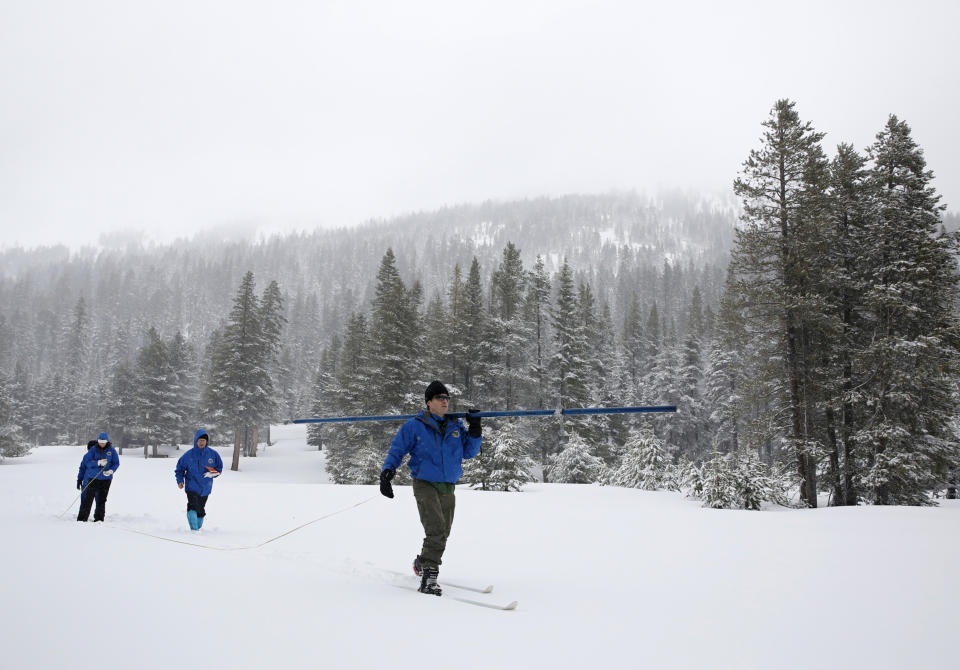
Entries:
{"x":169,"y":117}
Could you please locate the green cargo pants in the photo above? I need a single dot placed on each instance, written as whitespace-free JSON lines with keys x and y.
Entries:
{"x":436,"y":515}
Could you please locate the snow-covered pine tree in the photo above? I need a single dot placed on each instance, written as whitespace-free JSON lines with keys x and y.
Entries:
{"x":727,"y":371}
{"x":645,"y":463}
{"x":509,"y":378}
{"x":12,"y":441}
{"x":272,"y":322}
{"x":718,"y":488}
{"x":323,"y":403}
{"x":351,"y":394}
{"x":436,"y":340}
{"x":576,"y":464}
{"x":239,"y":390}
{"x":394,"y":333}
{"x":472,"y":334}
{"x":634,"y":349}
{"x":74,"y":414}
{"x":735,"y":481}
{"x":693,"y":435}
{"x":536,"y":311}
{"x":569,"y":368}
{"x":912,"y":353}
{"x":849,"y":202}
{"x":611,"y":387}
{"x":156,"y":390}
{"x":777,"y":252}
{"x":122,"y":412}
{"x":184,"y":385}
{"x":503,"y":464}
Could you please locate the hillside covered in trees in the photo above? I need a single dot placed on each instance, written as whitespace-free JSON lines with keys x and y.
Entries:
{"x":806,"y":331}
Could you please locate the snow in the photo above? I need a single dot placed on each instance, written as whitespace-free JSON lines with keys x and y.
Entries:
{"x":605,"y":576}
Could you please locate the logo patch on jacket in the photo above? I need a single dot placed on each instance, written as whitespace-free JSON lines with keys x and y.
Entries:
{"x":455,"y":433}
{"x":209,"y":460}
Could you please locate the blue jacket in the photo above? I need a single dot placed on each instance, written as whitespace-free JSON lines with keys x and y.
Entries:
{"x":433,"y":457}
{"x":88,"y":464}
{"x":193,"y":464}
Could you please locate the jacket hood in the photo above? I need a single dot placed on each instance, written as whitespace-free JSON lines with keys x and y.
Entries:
{"x":200,"y":433}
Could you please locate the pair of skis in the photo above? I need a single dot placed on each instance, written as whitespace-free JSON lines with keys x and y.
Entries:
{"x":459,"y":587}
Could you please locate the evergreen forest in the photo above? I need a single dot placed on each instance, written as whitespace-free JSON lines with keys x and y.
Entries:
{"x":805,"y":326}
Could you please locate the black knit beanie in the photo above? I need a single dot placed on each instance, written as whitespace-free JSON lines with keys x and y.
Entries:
{"x":434,"y":389}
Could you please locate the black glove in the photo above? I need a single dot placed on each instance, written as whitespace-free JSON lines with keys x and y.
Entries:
{"x":473,"y":421}
{"x":385,"y":487}
{"x":78,"y":485}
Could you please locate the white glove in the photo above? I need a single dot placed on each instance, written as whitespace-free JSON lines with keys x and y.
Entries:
{"x":211,"y":475}
{"x":108,"y":472}
{"x":102,"y":462}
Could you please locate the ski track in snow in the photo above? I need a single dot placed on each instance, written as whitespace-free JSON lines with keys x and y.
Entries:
{"x":604,"y":575}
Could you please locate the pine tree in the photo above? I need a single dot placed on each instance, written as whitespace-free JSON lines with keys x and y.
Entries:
{"x":568,"y":366}
{"x":912,"y":351}
{"x":777,"y":249}
{"x":645,"y":464}
{"x":156,"y":393}
{"x":183,"y":385}
{"x":351,"y":393}
{"x":323,"y":402}
{"x":122,"y":411}
{"x":537,"y":314}
{"x":74,"y":415}
{"x":472,"y":333}
{"x":394,"y":332}
{"x":576,"y":464}
{"x":12,"y":441}
{"x":503,"y":464}
{"x":239,"y":391}
{"x":849,"y":208}
{"x":509,"y":382}
{"x":634,"y":349}
{"x":272,"y":322}
{"x":436,"y":338}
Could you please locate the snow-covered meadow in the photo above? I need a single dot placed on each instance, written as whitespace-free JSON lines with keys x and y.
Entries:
{"x":605,"y":577}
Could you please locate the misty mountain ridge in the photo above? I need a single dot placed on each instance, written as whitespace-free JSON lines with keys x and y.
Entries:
{"x":597,"y":234}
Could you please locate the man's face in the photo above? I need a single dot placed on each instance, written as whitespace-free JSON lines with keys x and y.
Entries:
{"x":439,"y":405}
{"x":202,"y":442}
{"x":102,"y":443}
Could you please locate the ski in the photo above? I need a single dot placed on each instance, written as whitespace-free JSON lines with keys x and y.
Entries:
{"x":441,"y":582}
{"x":468,"y":601}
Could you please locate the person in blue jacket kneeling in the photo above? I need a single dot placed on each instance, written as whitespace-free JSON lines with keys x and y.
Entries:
{"x":437,"y":447}
{"x":196,"y":471}
{"x":96,"y":473}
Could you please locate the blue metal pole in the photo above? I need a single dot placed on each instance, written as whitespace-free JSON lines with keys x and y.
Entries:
{"x":520,"y":412}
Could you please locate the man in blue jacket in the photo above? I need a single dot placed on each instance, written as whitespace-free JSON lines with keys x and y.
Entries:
{"x":437,"y":447}
{"x":196,"y":471}
{"x":94,"y":477}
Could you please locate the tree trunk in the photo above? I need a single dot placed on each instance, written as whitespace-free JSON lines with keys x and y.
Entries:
{"x":808,"y":491}
{"x":837,"y":496}
{"x":237,"y":442}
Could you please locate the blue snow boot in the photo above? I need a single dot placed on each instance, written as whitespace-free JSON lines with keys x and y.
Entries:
{"x":200,"y":522}
{"x":193,"y":520}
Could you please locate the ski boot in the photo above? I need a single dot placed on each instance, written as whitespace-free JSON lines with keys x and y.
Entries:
{"x":428,"y":581}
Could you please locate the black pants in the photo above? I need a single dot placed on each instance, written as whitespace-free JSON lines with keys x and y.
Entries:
{"x":197,"y":503}
{"x":97,"y":490}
